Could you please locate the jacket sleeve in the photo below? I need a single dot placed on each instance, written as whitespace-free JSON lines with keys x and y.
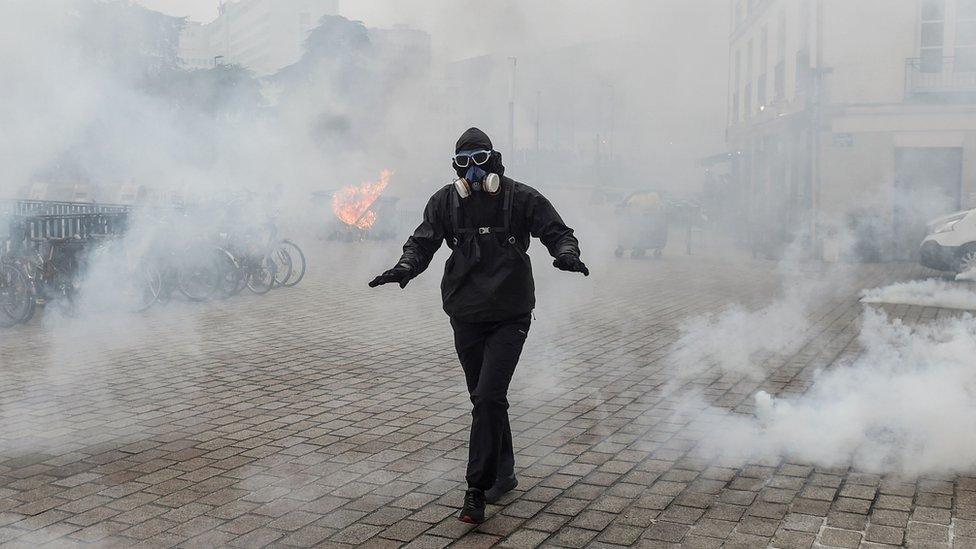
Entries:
{"x":546,"y":225}
{"x":426,"y":239}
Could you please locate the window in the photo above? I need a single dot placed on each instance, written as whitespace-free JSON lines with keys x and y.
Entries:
{"x":932,"y":35}
{"x":763,"y":67}
{"x":747,"y":107}
{"x":764,"y":50}
{"x":781,"y":39}
{"x":966,"y":36}
{"x":761,"y":92}
{"x":779,"y":72}
{"x":933,"y":10}
{"x":779,"y":81}
{"x":747,"y":111}
{"x":738,"y":82}
{"x":749,"y":63}
{"x":802,"y":70}
{"x":967,"y":9}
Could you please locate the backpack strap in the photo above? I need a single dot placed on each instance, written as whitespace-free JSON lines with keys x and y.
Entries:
{"x":507,"y":207}
{"x":506,"y":215}
{"x":455,"y":217}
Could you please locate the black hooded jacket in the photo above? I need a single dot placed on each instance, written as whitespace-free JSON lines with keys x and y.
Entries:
{"x":488,"y":276}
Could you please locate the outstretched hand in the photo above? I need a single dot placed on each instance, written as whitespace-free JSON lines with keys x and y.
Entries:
{"x":571,"y":263}
{"x":400,"y":274}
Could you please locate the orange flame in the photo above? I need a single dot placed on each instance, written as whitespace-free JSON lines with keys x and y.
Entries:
{"x":352,"y":204}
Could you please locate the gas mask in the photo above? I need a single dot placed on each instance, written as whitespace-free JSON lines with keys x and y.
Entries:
{"x":473,"y":176}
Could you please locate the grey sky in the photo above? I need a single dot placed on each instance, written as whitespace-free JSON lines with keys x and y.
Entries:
{"x":462,"y":28}
{"x":374,"y":12}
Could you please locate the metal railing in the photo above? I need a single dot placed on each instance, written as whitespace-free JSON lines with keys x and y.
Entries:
{"x":47,"y":220}
{"x":53,"y":207}
{"x":945,"y":75}
{"x":76,"y":226}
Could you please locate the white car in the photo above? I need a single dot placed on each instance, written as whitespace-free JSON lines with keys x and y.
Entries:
{"x":951,"y":243}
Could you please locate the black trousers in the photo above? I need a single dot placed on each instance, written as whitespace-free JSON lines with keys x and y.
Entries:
{"x":489,"y":352}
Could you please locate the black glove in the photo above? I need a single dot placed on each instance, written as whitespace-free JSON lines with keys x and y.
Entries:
{"x":400,"y":274}
{"x":571,"y":263}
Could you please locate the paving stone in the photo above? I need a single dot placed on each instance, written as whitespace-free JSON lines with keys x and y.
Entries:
{"x":823,"y":493}
{"x":833,"y":537}
{"x":890,"y":535}
{"x":846,"y":521}
{"x":636,"y":516}
{"x":887,"y":517}
{"x":666,"y":531}
{"x":920,"y":532}
{"x":524,"y":539}
{"x":810,"y":507}
{"x":790,"y":539}
{"x":593,"y":520}
{"x":931,"y":514}
{"x":934,"y":500}
{"x":739,"y":540}
{"x":680,"y":514}
{"x":619,"y":534}
{"x":308,"y":536}
{"x":895,"y":503}
{"x":852,"y":505}
{"x":713,"y":528}
{"x":858,"y":491}
{"x":405,"y":530}
{"x":757,"y":526}
{"x":700,"y":542}
{"x":570,"y":536}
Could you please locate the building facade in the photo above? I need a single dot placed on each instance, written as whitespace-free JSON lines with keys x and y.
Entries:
{"x":261,"y":35}
{"x":850,"y":124}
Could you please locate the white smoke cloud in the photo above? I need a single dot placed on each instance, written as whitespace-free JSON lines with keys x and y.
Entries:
{"x":969,"y":275}
{"x":733,"y":340}
{"x":900,"y":407}
{"x":932,"y":292}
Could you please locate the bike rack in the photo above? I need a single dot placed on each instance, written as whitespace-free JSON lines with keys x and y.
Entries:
{"x":76,"y":226}
{"x":49,"y":220}
{"x":53,"y":207}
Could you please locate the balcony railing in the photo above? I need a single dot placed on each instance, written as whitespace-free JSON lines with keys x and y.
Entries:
{"x":945,"y":75}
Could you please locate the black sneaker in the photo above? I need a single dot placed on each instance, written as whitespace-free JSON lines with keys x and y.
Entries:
{"x":502,"y":486}
{"x":473,"y":511}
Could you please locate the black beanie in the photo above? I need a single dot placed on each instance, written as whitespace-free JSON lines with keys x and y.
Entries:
{"x":473,"y":139}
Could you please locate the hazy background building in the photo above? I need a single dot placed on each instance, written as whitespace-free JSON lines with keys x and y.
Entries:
{"x":851,"y":118}
{"x":262,"y":35}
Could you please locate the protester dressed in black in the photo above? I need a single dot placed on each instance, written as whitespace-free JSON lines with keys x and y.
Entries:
{"x":488,"y":292}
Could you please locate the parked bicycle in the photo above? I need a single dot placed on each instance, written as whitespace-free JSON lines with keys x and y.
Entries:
{"x":73,"y":256}
{"x":17,"y":296}
{"x":249,"y":261}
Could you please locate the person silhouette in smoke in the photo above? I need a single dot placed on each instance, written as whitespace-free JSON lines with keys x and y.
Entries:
{"x":488,"y":293}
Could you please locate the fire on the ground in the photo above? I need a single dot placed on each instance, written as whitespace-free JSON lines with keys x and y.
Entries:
{"x":352,"y":205}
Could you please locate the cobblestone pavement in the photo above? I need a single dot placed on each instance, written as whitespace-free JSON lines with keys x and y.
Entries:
{"x":331,"y":415}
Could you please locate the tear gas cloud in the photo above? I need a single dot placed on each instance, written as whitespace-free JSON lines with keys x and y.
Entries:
{"x":736,"y":339}
{"x":931,"y":292}
{"x":885,"y":412}
{"x":880,"y":407}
